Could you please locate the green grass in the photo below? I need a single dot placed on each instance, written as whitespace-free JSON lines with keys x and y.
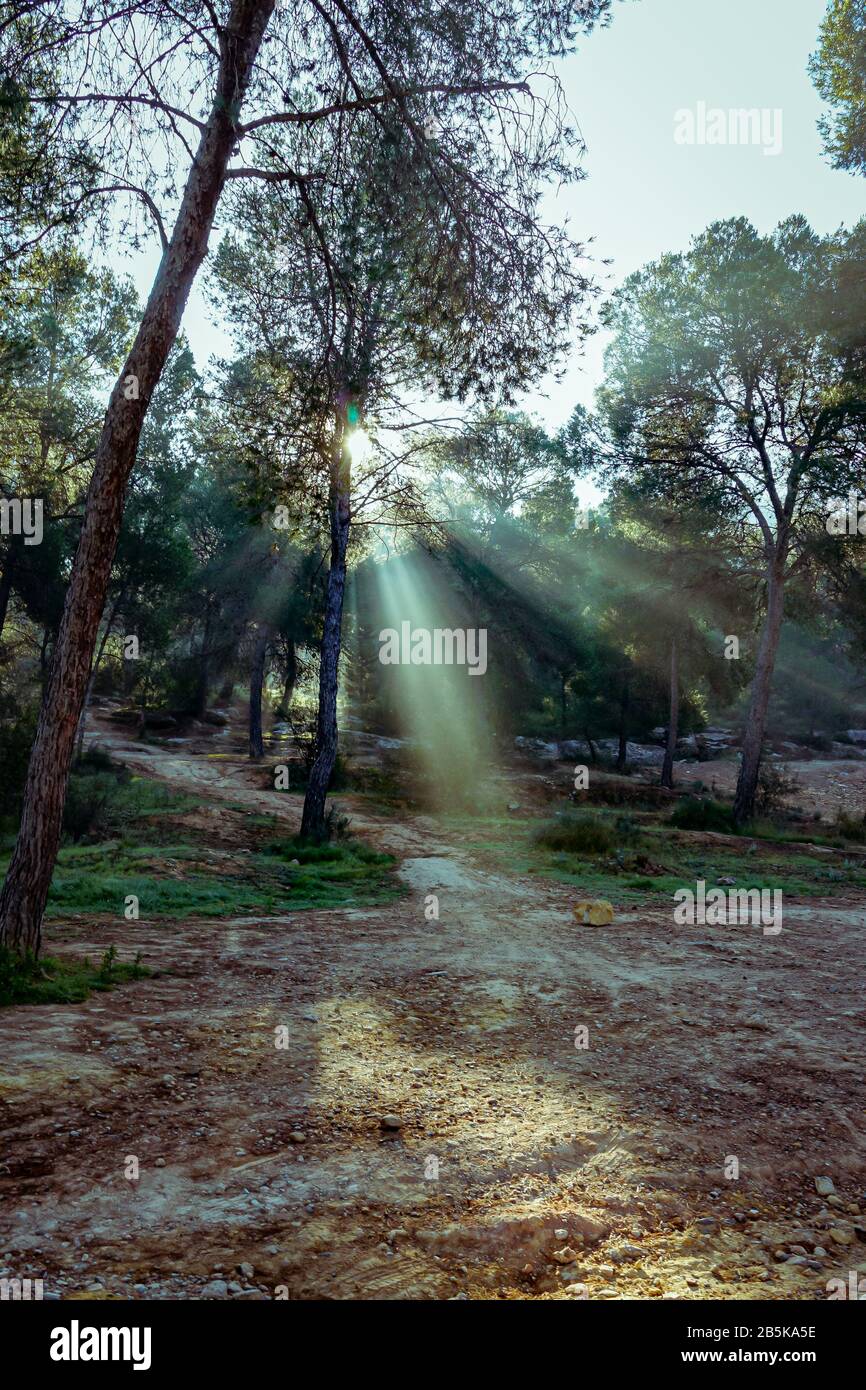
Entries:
{"x":96,"y":879}
{"x":512,"y":847}
{"x":579,"y":835}
{"x":25,"y":980}
{"x":702,"y":813}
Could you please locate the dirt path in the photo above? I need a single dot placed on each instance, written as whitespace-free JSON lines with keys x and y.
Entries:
{"x":430,"y":1128}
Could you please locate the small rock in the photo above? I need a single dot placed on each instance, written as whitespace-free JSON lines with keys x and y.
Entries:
{"x":565,"y":1255}
{"x":392,"y":1123}
{"x":840,"y":1237}
{"x":297,"y":1136}
{"x":593,"y":912}
{"x":217,"y":1288}
{"x":160,"y":1163}
{"x":824,"y":1187}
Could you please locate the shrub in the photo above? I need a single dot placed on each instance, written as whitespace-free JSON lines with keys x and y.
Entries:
{"x":607,"y":792}
{"x":92,"y":800}
{"x":577,"y":835}
{"x":774,"y":785}
{"x":26,"y":980}
{"x":702,"y":813}
{"x":16,"y":738}
{"x":851,"y":827}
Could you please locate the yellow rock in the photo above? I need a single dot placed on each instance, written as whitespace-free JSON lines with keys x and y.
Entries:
{"x":594,"y":912}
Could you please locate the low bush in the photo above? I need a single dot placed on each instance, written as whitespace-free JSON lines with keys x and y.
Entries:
{"x":577,"y":835}
{"x":28,"y":980}
{"x":851,"y":827}
{"x":702,"y":813}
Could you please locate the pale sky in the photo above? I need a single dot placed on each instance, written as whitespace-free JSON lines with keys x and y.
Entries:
{"x":645,"y":194}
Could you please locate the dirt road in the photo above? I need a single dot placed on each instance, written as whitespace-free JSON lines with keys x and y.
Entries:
{"x":432,"y":1127}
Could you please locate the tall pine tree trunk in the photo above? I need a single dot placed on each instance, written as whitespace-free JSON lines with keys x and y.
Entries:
{"x":313,"y":818}
{"x":756,"y":722}
{"x":622,"y":752}
{"x":22,"y":901}
{"x":291,"y":677}
{"x":91,"y":680}
{"x":5,"y":591}
{"x":257,"y":680}
{"x":673,"y":720}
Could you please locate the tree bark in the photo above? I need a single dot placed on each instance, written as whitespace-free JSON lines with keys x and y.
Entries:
{"x":202,"y":687}
{"x":291,"y":678}
{"x":22,"y":901}
{"x":673,"y":721}
{"x":82,"y":723}
{"x":753,"y":737}
{"x":5,"y":591}
{"x":313,"y":818}
{"x":257,"y":680}
{"x":622,"y":751}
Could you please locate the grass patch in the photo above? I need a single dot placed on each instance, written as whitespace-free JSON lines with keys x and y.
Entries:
{"x":511,"y":848}
{"x":702,"y":813}
{"x":103,"y":799}
{"x":183,"y":881}
{"x":582,"y":835}
{"x":26,"y":980}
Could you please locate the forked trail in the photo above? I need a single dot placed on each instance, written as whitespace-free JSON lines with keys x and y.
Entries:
{"x":499,"y":1132}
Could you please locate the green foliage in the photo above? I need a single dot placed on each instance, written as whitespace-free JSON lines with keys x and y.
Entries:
{"x":851,"y":827}
{"x":103,"y":800}
{"x":583,"y":835}
{"x":182,"y":881}
{"x":16,"y":738}
{"x":838,"y":70}
{"x":49,"y":980}
{"x":702,"y":813}
{"x":775,"y":786}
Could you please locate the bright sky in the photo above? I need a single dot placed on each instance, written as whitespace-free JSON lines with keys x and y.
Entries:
{"x":645,"y":194}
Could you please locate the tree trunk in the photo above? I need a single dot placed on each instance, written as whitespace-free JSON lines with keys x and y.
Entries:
{"x":313,"y":818}
{"x":622,"y":751}
{"x":673,"y":721}
{"x":562,"y":705}
{"x":202,"y":688}
{"x":82,"y":723}
{"x":291,"y":678}
{"x":257,"y":680}
{"x":22,"y":901}
{"x":5,"y":591}
{"x":753,"y":737}
{"x":593,"y":753}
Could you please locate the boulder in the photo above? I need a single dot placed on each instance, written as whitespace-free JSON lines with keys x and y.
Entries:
{"x":593,"y":912}
{"x":537,"y":749}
